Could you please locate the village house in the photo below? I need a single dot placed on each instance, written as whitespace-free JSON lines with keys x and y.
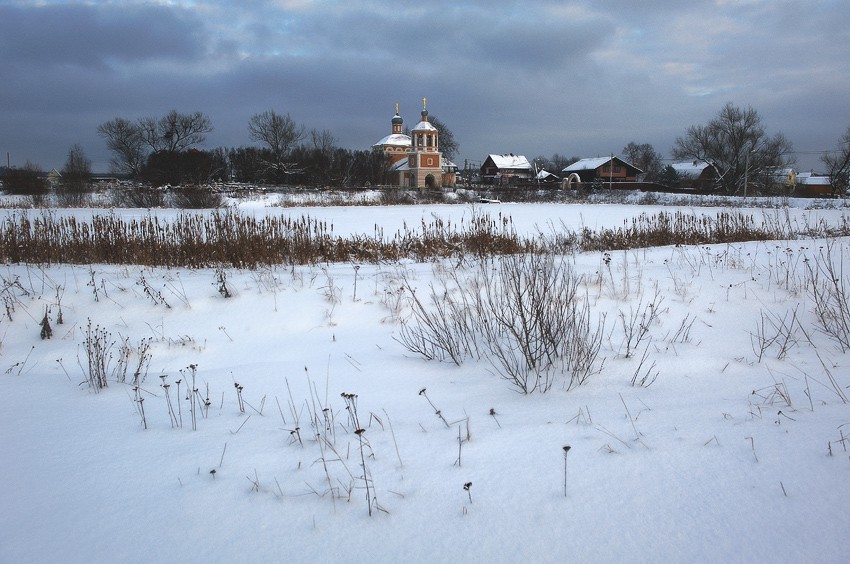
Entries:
{"x":506,"y":169}
{"x":605,"y":169}
{"x":54,"y":177}
{"x":813,"y":184}
{"x":415,"y":160}
{"x":698,"y":175}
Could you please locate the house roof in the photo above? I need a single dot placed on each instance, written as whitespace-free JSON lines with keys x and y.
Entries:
{"x":510,"y":161}
{"x":594,"y":163}
{"x":690,"y":168}
{"x":398,"y":139}
{"x":544,"y":174}
{"x":586,"y":164}
{"x":812,"y":180}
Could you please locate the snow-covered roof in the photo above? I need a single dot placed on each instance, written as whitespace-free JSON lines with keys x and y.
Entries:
{"x":586,"y":164}
{"x":398,"y":139}
{"x":424,"y":126}
{"x":544,"y":174}
{"x":810,"y":179}
{"x":690,"y":168}
{"x":594,"y":163}
{"x":784,"y":171}
{"x":510,"y":161}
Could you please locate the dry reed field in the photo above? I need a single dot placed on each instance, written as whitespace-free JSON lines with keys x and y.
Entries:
{"x":228,"y":238}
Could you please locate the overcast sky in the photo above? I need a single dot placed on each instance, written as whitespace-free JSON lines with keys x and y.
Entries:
{"x":579,"y":78}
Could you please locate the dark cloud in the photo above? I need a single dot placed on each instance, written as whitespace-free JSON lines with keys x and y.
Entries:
{"x":578,"y":78}
{"x":91,"y":36}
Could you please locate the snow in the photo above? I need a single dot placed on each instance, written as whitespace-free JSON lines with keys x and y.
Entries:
{"x":510,"y":161}
{"x":587,"y":164}
{"x":811,"y":180}
{"x":707,"y":464}
{"x":690,"y":168}
{"x":398,"y":139}
{"x":424,"y":126}
{"x":592,"y":164}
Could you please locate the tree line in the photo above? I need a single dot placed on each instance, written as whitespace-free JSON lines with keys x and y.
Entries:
{"x":165,"y":151}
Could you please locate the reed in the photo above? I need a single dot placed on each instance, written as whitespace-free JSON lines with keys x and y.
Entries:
{"x":226,"y":238}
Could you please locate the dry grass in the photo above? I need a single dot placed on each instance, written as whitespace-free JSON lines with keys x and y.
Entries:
{"x":227,"y":238}
{"x":680,"y":228}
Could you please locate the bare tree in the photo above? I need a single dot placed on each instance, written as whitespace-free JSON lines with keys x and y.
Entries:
{"x":174,"y":131}
{"x":448,"y":144}
{"x":645,"y":157}
{"x":554,"y":164}
{"x":735,"y":142}
{"x":838,"y":164}
{"x":323,"y":141}
{"x":124,"y":140}
{"x":322,"y":154}
{"x":76,"y":177}
{"x":279,"y":133}
{"x":560,"y":162}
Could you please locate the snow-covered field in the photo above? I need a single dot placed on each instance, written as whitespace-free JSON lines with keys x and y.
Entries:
{"x":728,"y":453}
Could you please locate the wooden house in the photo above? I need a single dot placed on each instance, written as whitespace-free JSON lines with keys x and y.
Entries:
{"x":506,"y":169}
{"x":604,"y":169}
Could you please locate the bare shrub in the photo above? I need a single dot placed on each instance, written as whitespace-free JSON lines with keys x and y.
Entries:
{"x":521,"y":313}
{"x":11,"y":292}
{"x":140,"y":196}
{"x":637,"y":322}
{"x":775,"y":331}
{"x":70,"y":195}
{"x":26,"y":181}
{"x":196,"y":197}
{"x":827,"y":285}
{"x":645,"y":376}
{"x":440,"y":328}
{"x":396,"y":196}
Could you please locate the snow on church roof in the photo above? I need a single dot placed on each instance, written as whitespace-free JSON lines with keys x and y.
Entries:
{"x":398,"y":139}
{"x":424,"y":126}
